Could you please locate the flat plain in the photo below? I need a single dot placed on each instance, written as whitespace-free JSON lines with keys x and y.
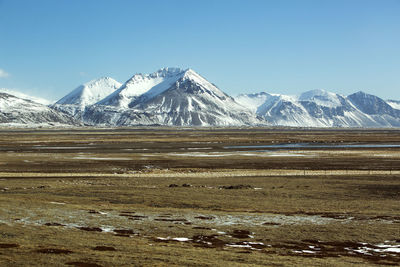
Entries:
{"x":199,"y":197}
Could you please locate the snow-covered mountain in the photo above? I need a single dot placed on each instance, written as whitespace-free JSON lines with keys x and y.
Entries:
{"x":376,"y":108}
{"x":25,"y":96}
{"x":91,"y":92}
{"x":319,"y":108}
{"x":85,"y":95}
{"x":170,"y":96}
{"x":15,"y":111}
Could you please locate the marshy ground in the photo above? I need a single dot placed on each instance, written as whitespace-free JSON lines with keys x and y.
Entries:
{"x":182,"y":196}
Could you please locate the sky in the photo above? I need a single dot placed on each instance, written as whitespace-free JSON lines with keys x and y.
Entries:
{"x":48,"y":48}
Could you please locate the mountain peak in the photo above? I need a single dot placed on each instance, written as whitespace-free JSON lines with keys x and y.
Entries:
{"x":363,"y":95}
{"x":360,"y":93}
{"x":90,"y":92}
{"x":105,"y":78}
{"x":161,"y":73}
{"x":100,"y":81}
{"x":190,"y":74}
{"x":168,"y":71}
{"x":193,"y":76}
{"x":322,"y":98}
{"x":143,"y":85}
{"x":372,"y":105}
{"x":309,"y":95}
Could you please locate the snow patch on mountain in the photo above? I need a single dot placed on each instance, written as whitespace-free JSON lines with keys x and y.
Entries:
{"x":394,"y":104}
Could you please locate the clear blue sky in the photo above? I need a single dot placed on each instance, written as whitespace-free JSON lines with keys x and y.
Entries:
{"x":49,"y":47}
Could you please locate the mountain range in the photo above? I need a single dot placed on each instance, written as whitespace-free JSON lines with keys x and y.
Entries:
{"x":177,"y":97}
{"x":319,"y":108}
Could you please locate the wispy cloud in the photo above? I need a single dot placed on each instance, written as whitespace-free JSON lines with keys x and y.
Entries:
{"x":4,"y":74}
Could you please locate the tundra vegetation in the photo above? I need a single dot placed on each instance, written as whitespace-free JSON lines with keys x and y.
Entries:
{"x":199,"y":196}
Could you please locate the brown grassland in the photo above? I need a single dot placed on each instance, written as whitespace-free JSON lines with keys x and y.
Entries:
{"x":199,"y":197}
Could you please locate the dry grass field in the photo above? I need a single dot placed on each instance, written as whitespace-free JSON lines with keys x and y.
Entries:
{"x":199,"y":197}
